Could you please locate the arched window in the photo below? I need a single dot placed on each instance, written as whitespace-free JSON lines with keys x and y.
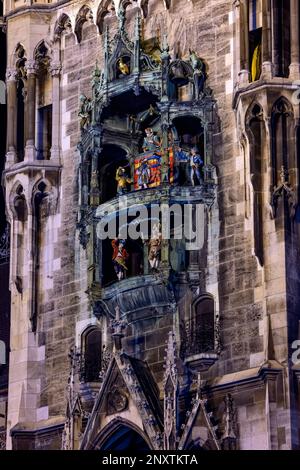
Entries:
{"x":21,"y":59}
{"x":92,"y":352}
{"x":255,"y":38}
{"x":283,"y":142}
{"x":281,"y":37}
{"x":44,"y":103}
{"x":201,"y":328}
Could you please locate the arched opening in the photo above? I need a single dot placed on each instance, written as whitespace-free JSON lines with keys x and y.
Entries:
{"x":201,"y":327}
{"x":20,"y":58}
{"x":21,"y":213}
{"x":85,"y":15}
{"x":92,"y":355}
{"x":281,"y":38}
{"x":189,"y":151}
{"x":283,"y":140}
{"x":44,"y":103}
{"x":122,"y":259}
{"x":255,"y":38}
{"x":112,"y":157}
{"x":20,"y":120}
{"x":125,"y":439}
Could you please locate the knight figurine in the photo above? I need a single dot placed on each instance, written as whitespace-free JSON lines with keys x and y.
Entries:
{"x":120,"y":257}
{"x":144,"y":174}
{"x":196,"y":165}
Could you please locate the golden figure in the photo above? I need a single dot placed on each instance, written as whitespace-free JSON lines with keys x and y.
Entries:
{"x":256,"y":64}
{"x":122,"y":180}
{"x":124,"y":69}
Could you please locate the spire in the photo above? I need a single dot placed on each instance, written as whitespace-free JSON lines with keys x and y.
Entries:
{"x":171,"y":395}
{"x":118,"y":326}
{"x":138,"y":26}
{"x":229,"y":435}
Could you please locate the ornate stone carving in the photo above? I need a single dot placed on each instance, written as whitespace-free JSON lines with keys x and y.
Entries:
{"x":284,"y":190}
{"x":229,"y":437}
{"x":170,"y":395}
{"x":5,"y":246}
{"x":117,"y":400}
{"x":55,"y":69}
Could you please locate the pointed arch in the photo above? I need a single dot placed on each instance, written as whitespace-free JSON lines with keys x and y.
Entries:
{"x":42,"y":54}
{"x":283,"y":141}
{"x":62,"y":26}
{"x":91,"y":354}
{"x":201,"y":327}
{"x":109,"y":436}
{"x":44,"y":191}
{"x":144,"y":7}
{"x":84,"y":15}
{"x":106,"y":8}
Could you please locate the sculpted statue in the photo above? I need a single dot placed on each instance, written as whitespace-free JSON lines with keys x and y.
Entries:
{"x":181,"y":166}
{"x":155,"y":247}
{"x":122,"y":180}
{"x":85,"y":111}
{"x":199,"y":76}
{"x":144,"y":174}
{"x":196,"y":164}
{"x":119,"y":258}
{"x":151,"y":141}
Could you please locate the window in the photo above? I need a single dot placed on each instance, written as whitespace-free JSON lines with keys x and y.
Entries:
{"x":201,"y":328}
{"x":92,"y":355}
{"x":255,"y":38}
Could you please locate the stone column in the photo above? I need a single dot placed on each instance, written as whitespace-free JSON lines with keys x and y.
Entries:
{"x":11,"y":87}
{"x":294,"y":32}
{"x":267,"y":66}
{"x":30,"y":151}
{"x":242,"y":43}
{"x":55,"y":70}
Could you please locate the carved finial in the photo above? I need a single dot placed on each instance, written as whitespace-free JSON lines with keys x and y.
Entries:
{"x":170,"y":367}
{"x":106,"y":41}
{"x":138,"y":26}
{"x":118,"y":326}
{"x":229,"y":436}
{"x":283,"y":175}
{"x":171,"y":395}
{"x":165,"y":47}
{"x":121,"y":18}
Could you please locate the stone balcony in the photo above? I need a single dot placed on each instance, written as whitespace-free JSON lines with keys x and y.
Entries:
{"x":135,"y":295}
{"x":203,"y":194}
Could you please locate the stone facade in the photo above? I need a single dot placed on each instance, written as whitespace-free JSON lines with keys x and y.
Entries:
{"x":245,"y":394}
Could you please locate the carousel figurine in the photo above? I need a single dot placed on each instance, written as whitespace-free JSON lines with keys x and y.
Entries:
{"x":144,"y":174}
{"x":151,"y":141}
{"x":196,"y":164}
{"x":181,"y":166}
{"x":123,"y":180}
{"x":155,"y":248}
{"x":119,"y":258}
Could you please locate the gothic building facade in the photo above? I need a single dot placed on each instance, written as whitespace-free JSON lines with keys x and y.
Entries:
{"x":116,"y":108}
